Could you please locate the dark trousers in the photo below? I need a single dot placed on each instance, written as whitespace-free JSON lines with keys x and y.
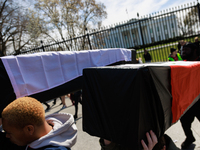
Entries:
{"x":54,"y":101}
{"x":46,"y":104}
{"x":188,"y":118}
{"x":77,"y":100}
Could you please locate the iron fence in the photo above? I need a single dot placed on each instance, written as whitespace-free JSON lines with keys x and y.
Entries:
{"x":156,"y":32}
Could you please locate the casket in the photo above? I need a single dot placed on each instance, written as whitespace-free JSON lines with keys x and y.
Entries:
{"x":121,"y":103}
{"x":48,"y":75}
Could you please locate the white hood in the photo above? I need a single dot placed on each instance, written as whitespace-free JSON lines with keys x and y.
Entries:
{"x":64,"y":132}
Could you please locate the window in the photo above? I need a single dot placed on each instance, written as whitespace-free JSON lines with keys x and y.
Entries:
{"x":158,"y":29}
{"x":116,"y":39}
{"x":151,"y":31}
{"x":172,"y":25}
{"x":159,"y":38}
{"x":165,"y":27}
{"x":173,"y":34}
{"x":166,"y":36}
{"x":152,"y":39}
{"x":109,"y":40}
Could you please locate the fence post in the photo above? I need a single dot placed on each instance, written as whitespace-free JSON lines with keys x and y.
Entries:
{"x":42,"y":46}
{"x":198,"y":10}
{"x":141,"y":31}
{"x":89,"y":41}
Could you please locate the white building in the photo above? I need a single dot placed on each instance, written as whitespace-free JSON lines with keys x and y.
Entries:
{"x":128,"y":35}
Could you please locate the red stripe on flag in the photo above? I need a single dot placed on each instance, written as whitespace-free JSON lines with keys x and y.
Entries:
{"x":185,"y":87}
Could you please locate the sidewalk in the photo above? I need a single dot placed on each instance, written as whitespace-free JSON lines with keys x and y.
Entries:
{"x":178,"y":136}
{"x":87,"y":142}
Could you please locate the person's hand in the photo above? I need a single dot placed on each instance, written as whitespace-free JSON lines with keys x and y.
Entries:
{"x":152,"y":140}
{"x":106,"y":142}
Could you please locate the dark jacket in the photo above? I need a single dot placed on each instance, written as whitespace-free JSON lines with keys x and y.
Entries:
{"x":147,"y":57}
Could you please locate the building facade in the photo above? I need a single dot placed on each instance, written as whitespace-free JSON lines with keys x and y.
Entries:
{"x":137,"y":32}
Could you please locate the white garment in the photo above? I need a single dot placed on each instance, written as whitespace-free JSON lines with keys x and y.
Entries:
{"x":140,"y":61}
{"x":34,"y":73}
{"x":63,"y":134}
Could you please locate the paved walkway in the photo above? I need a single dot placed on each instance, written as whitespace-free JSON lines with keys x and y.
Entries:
{"x":87,"y":142}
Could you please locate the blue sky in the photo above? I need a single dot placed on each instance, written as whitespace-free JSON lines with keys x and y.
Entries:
{"x":116,"y":9}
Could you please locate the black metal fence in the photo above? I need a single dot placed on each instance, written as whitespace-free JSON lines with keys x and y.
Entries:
{"x":156,"y":32}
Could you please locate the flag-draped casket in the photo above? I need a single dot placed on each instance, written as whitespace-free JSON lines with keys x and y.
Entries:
{"x":48,"y":75}
{"x":121,"y":103}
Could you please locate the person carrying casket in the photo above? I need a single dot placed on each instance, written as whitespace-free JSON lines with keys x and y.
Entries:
{"x":190,"y":53}
{"x":26,"y":126}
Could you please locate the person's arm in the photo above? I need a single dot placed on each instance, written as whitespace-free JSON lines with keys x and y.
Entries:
{"x":152,"y":140}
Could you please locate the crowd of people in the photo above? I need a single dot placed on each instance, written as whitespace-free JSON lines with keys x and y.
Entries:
{"x":75,"y":97}
{"x":62,"y":98}
{"x":175,"y":54}
{"x":25,"y":126}
{"x":183,"y":53}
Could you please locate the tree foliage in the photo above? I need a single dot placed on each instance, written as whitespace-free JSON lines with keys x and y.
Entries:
{"x":70,"y":18}
{"x":189,"y":21}
{"x":21,"y":27}
{"x":14,"y":35}
{"x":9,"y":24}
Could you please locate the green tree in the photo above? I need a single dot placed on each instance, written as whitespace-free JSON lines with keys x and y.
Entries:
{"x":91,"y":16}
{"x":191,"y":19}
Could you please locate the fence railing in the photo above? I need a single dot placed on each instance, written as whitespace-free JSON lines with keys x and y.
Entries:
{"x":156,"y":32}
